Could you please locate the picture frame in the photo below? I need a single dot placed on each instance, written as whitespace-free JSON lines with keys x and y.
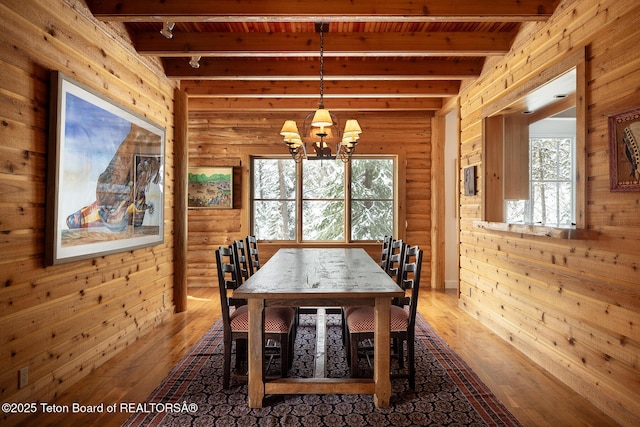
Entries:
{"x":624,"y":151}
{"x":470,"y":181}
{"x":210,"y":188}
{"x":105,"y":179}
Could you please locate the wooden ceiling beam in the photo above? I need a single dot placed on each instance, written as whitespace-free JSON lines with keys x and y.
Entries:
{"x":309,"y":104}
{"x":334,"y":69}
{"x":243,"y":45}
{"x":308,"y":89}
{"x":322,"y":11}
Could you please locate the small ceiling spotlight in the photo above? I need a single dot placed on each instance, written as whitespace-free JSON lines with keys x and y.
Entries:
{"x":195,"y":61}
{"x":167,"y":29}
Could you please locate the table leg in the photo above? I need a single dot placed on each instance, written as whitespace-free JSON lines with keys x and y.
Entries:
{"x":256,"y":345}
{"x":382,"y":352}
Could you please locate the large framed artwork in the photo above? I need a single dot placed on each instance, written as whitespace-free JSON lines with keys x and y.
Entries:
{"x":624,"y":145}
{"x":105,"y":179}
{"x":210,"y":187}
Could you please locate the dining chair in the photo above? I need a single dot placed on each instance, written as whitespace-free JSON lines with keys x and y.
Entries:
{"x":395,"y":254}
{"x":278,"y":321}
{"x":360,"y":320}
{"x":252,"y":254}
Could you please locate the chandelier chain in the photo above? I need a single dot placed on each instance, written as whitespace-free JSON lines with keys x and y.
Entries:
{"x":322,"y":65}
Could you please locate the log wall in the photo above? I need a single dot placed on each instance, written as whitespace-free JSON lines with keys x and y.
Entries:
{"x":228,"y":139}
{"x":573,"y":306}
{"x":63,"y":321}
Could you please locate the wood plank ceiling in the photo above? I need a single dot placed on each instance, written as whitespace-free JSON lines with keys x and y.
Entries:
{"x":402,"y":55}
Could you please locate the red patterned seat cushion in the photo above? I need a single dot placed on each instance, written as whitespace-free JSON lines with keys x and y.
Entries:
{"x":361,"y":319}
{"x":276,"y":319}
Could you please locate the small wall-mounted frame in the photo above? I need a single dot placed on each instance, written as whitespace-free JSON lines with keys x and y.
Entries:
{"x":105,"y":188}
{"x":624,"y":147}
{"x":210,"y":187}
{"x":470,"y":181}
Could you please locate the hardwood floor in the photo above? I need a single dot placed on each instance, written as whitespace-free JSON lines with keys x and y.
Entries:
{"x":533,"y":396}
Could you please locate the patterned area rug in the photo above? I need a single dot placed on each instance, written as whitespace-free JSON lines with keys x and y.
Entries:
{"x":447,"y":393}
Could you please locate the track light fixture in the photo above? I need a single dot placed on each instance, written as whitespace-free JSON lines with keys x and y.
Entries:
{"x":167,"y":29}
{"x":195,"y":61}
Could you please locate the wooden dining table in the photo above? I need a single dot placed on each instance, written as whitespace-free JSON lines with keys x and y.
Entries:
{"x":319,"y":277}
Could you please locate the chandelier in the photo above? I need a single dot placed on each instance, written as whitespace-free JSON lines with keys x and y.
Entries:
{"x":321,"y":128}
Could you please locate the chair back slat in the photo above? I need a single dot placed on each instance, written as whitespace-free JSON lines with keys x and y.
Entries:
{"x":241,"y":258}
{"x":411,"y":280}
{"x":386,"y":248}
{"x":253,"y":256}
{"x":396,"y":255}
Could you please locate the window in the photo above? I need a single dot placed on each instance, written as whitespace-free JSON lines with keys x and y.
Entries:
{"x":551,"y":187}
{"x":274,"y":199}
{"x":534,"y":157}
{"x":372,"y":203}
{"x":551,"y":170}
{"x":322,"y":200}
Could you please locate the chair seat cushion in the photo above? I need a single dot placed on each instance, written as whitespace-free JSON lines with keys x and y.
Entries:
{"x":277,"y":320}
{"x":348,"y":309}
{"x":361,"y":319}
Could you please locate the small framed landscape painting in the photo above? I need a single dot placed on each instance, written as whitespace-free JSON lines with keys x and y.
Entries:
{"x":210,"y":187}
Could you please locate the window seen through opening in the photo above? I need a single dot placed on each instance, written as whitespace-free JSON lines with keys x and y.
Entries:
{"x":551,"y":199}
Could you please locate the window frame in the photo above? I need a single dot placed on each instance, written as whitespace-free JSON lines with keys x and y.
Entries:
{"x":493,"y":178}
{"x":298,"y":240}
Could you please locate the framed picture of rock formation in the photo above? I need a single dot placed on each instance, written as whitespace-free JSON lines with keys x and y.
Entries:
{"x":105,"y":179}
{"x":624,"y":147}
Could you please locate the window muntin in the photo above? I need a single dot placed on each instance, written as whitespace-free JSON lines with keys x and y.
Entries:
{"x":328,"y":209}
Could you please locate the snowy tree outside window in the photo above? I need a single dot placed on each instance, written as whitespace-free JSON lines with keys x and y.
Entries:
{"x":371,"y":199}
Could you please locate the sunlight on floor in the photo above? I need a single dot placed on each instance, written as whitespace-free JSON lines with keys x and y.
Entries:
{"x":190,"y":297}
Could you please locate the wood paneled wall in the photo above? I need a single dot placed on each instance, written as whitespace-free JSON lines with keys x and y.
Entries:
{"x":63,"y":321}
{"x":573,"y":306}
{"x":217,"y":139}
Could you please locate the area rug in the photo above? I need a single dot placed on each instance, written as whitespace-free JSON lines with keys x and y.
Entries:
{"x":448,"y":392}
